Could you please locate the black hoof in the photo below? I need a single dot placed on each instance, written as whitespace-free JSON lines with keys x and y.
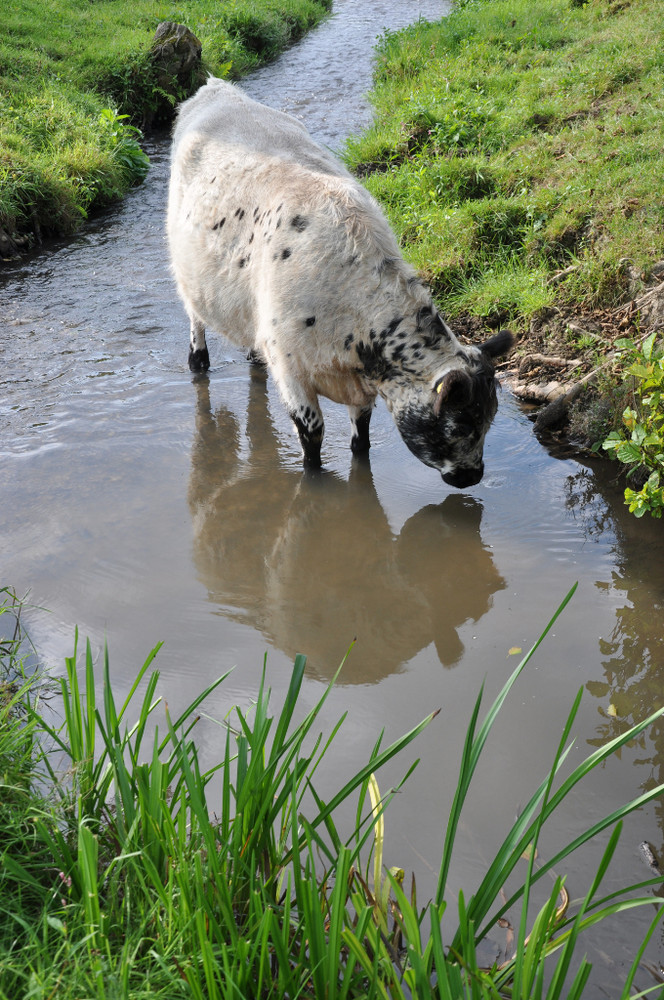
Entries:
{"x":312,"y":462}
{"x":360,"y":445}
{"x":199,"y":361}
{"x":257,"y":360}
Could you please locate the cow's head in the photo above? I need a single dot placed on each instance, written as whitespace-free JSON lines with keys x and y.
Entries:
{"x":445,"y":427}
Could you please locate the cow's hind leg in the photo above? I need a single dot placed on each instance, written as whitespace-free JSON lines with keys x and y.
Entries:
{"x":360,"y":417}
{"x":199,"y":359}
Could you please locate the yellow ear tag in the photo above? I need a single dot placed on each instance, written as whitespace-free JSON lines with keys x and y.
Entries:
{"x":440,"y":388}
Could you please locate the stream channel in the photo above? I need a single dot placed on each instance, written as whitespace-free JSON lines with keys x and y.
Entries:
{"x":140,"y":504}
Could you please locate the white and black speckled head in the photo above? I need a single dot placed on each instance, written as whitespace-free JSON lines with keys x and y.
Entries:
{"x":445,"y":424}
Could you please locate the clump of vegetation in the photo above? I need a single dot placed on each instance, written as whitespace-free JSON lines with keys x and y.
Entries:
{"x":639,"y":444}
{"x":556,"y":110}
{"x":74,"y":157}
{"x":141,"y":876}
{"x":70,"y":73}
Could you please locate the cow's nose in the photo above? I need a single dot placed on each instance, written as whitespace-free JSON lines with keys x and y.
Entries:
{"x":463,"y":478}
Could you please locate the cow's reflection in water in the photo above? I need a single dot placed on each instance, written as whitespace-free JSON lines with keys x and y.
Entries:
{"x":310,"y":559}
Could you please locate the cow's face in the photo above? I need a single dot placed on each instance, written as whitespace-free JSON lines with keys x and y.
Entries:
{"x":445,"y":426}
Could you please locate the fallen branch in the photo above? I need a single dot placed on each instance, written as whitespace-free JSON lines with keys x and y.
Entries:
{"x":555,"y":412}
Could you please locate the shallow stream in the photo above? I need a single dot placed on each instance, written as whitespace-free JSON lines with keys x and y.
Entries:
{"x":142,"y":505}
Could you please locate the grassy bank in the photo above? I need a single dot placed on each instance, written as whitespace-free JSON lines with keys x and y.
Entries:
{"x":125,"y":875}
{"x":514,"y":140}
{"x":518,"y":149}
{"x":69,"y":68}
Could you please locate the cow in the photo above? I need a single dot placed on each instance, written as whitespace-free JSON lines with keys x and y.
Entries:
{"x":274,"y":244}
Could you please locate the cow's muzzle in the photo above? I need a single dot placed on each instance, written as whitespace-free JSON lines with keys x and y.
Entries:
{"x":463,"y":478}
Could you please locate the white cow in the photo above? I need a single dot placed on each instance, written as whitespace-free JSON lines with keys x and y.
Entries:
{"x":275,"y":245}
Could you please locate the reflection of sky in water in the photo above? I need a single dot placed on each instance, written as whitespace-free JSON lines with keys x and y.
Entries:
{"x":323,"y":79}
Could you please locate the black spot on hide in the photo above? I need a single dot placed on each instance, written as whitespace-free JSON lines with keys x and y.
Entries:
{"x":220,"y":224}
{"x":348,"y":341}
{"x":285,"y":254}
{"x":243,"y":261}
{"x":310,"y":320}
{"x":373,"y":360}
{"x":239,"y":213}
{"x":299,"y":223}
{"x":251,"y":238}
{"x":390,"y":329}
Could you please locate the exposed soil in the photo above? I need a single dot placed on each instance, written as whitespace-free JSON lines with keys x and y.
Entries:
{"x":563,"y":362}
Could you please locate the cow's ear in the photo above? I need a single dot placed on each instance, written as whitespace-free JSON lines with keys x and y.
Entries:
{"x":431,"y":326}
{"x":454,"y":389}
{"x":498,"y":345}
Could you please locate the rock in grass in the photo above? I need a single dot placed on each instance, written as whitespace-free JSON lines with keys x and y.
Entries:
{"x":176,"y":53}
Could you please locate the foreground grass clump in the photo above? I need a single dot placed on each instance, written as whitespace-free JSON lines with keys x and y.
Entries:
{"x":140,"y":881}
{"x":514,"y":141}
{"x":68,"y":68}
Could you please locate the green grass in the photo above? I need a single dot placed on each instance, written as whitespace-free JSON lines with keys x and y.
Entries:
{"x":65,"y":64}
{"x":127,"y":871}
{"x":514,"y":139}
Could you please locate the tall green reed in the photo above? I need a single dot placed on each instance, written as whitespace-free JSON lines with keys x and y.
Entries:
{"x":156,"y":881}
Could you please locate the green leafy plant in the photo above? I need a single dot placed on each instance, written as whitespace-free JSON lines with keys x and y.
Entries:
{"x":639,"y":444}
{"x":124,"y":141}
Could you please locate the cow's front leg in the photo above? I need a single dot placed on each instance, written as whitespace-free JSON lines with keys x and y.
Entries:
{"x":360,"y":417}
{"x":199,"y":359}
{"x":302,"y":404}
{"x":309,"y":422}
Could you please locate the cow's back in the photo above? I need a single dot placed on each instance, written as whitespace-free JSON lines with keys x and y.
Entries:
{"x":263,"y":223}
{"x":221,"y":116}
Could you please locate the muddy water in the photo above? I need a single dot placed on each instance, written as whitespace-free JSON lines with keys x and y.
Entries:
{"x":143,"y":505}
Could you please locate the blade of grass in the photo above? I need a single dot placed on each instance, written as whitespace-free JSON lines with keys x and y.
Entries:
{"x":473,"y":747}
